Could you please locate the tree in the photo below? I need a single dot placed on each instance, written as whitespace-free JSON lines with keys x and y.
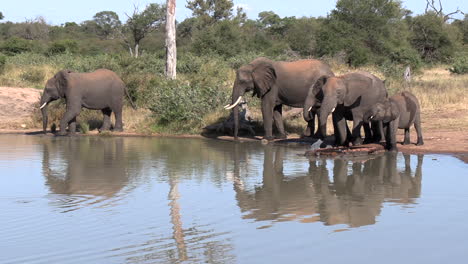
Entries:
{"x":437,"y":8}
{"x":1,"y":16}
{"x":431,"y":37}
{"x":211,"y":11}
{"x":171,"y":48}
{"x":141,"y":23}
{"x":107,"y":24}
{"x":364,"y":30}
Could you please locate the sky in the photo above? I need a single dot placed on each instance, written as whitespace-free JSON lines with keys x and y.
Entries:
{"x":57,"y":12}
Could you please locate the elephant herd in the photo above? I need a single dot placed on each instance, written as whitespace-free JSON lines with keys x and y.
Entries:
{"x":309,"y":84}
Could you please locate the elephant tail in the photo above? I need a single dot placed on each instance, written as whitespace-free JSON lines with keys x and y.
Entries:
{"x":129,"y":98}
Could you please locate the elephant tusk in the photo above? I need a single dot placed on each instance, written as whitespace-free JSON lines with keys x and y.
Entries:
{"x":372,"y":117}
{"x":42,"y":106}
{"x":310,"y":108}
{"x":333,"y":110}
{"x":234,"y":105}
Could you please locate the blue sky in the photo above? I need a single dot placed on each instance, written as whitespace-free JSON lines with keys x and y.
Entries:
{"x":60,"y":11}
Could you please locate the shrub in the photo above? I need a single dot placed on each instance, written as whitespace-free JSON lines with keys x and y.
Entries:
{"x":62,"y":46}
{"x":84,"y":127}
{"x":460,"y":65}
{"x":188,"y":102}
{"x":2,"y":63}
{"x":16,"y":45}
{"x":33,"y":75}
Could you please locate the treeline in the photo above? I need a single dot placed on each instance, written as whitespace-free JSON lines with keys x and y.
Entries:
{"x":358,"y":32}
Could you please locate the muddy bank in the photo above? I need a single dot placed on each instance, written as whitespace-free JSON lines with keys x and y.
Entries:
{"x":435,"y":142}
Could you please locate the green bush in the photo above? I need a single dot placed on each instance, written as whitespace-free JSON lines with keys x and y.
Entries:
{"x":62,"y":46}
{"x":460,"y":65}
{"x":2,"y":63}
{"x":15,"y":45}
{"x":188,"y":101}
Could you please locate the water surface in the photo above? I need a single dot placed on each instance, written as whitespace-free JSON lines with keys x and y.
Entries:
{"x":155,"y":200}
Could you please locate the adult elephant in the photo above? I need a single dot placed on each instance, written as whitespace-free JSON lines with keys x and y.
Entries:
{"x":276,"y":83}
{"x":99,"y":90}
{"x":348,"y":97}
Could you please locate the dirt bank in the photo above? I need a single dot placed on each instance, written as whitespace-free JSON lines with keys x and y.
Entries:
{"x":443,"y":132}
{"x":16,"y":106}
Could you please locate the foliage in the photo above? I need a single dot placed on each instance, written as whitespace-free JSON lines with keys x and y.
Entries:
{"x":211,"y":11}
{"x":33,"y":75}
{"x":431,"y":39}
{"x":1,"y":16}
{"x":186,"y":102}
{"x":62,"y":46}
{"x":107,"y":24}
{"x":141,"y":23}
{"x":2,"y":63}
{"x":15,"y":45}
{"x":460,"y":64}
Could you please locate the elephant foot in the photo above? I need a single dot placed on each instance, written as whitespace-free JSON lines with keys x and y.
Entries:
{"x":392,"y":148}
{"x":103,"y":129}
{"x":420,"y":142}
{"x":406,"y":142}
{"x":281,"y":136}
{"x":357,"y":142}
{"x":61,"y":133}
{"x":269,"y":138}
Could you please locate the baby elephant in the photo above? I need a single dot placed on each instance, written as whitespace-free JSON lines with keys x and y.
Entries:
{"x":398,"y":111}
{"x":99,"y":90}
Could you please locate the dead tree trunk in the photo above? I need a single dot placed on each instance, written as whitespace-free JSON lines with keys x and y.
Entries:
{"x":171,"y":49}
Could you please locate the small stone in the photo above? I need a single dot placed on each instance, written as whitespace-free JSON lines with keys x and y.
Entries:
{"x":23,"y":125}
{"x":264,"y":141}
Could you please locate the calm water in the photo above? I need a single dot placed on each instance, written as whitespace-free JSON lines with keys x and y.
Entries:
{"x":147,"y":200}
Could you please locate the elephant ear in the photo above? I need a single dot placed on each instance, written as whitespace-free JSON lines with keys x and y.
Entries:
{"x":394,"y":109}
{"x":264,"y":77}
{"x":318,"y":86}
{"x":62,"y":82}
{"x":355,"y":86}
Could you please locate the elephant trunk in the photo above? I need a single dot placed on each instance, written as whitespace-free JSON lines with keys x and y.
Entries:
{"x":45,"y":99}
{"x":236,"y":99}
{"x":308,"y":105}
{"x":326,"y":108}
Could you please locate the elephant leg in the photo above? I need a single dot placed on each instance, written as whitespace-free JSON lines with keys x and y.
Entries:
{"x":356,"y":133}
{"x":71,"y":113}
{"x":406,"y":141}
{"x":309,"y":132}
{"x":339,"y":124}
{"x":377,"y":131}
{"x":417,"y":126}
{"x":318,"y":133}
{"x":368,"y":137}
{"x":267,"y":113}
{"x":106,"y":122}
{"x":278,"y":118}
{"x":72,"y":126}
{"x":391,"y":135}
{"x":118,"y":120}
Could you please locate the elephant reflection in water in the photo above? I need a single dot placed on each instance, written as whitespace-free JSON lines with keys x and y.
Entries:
{"x":354,"y":198}
{"x":86,"y":166}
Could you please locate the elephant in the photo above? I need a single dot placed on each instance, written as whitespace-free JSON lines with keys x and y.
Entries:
{"x":402,"y":110}
{"x":276,"y":83}
{"x":347,"y":97}
{"x":99,"y":90}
